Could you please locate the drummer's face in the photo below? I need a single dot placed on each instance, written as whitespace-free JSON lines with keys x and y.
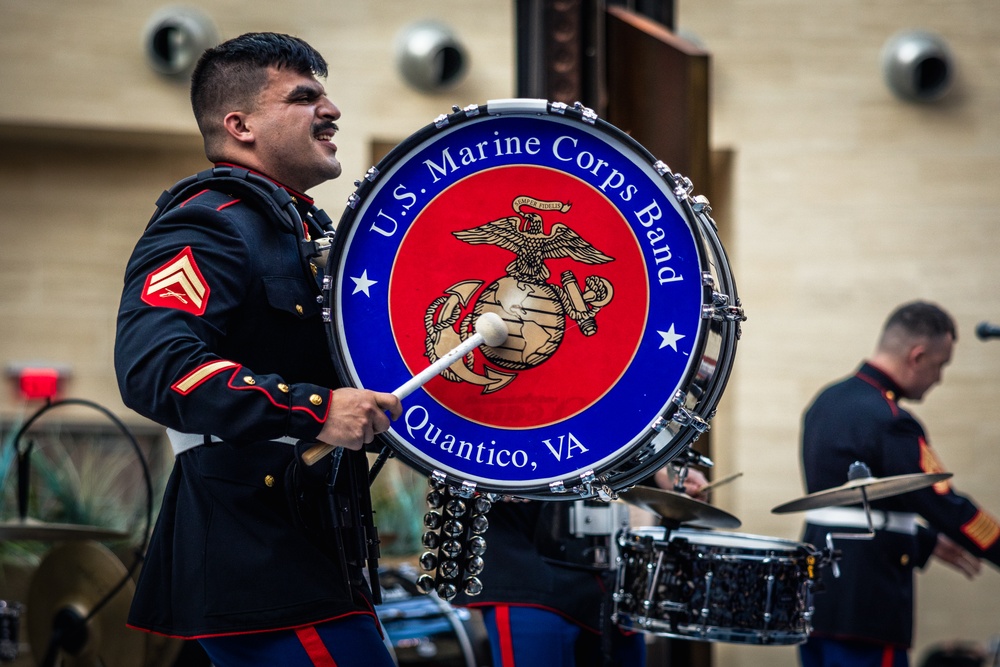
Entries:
{"x":293,"y":124}
{"x":928,"y":365}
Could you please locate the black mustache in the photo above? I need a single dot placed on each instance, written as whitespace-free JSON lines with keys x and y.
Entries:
{"x":319,"y":129}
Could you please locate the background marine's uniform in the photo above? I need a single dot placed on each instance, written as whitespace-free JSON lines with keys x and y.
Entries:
{"x":859,"y":419}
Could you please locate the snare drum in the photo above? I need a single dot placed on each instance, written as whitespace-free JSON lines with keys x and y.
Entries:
{"x":605,"y":267}
{"x":716,"y":586}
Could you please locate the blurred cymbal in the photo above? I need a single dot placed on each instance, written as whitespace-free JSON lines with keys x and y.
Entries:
{"x":873,"y":487}
{"x":68,"y":584}
{"x":32,"y":529}
{"x":677,"y":507}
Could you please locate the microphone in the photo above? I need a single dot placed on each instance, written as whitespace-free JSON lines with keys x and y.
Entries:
{"x":986,"y":330}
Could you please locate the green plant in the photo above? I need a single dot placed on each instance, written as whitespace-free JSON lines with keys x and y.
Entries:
{"x":398,"y":499}
{"x":79,"y":474}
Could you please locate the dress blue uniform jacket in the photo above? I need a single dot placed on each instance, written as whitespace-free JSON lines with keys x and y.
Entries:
{"x":859,"y":419}
{"x":220,"y":334}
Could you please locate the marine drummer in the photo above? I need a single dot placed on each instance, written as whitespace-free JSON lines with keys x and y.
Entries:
{"x":220,"y":339}
{"x":546,"y":598}
{"x":865,"y":617}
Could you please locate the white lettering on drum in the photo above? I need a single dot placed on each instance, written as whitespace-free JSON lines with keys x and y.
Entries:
{"x":419,"y":426}
{"x":566,"y":149}
{"x":589,"y":163}
{"x":571,"y":443}
{"x":646,"y":217}
{"x":467,"y":155}
{"x":382,"y":218}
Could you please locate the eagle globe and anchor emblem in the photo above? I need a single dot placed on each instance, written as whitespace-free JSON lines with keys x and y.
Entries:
{"x":534,"y":309}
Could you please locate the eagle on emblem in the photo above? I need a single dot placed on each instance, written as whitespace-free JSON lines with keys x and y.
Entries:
{"x":525,"y":237}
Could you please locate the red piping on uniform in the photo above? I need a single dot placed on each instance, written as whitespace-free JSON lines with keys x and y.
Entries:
{"x":882,"y":390}
{"x":251,"y":632}
{"x":505,"y":636}
{"x":316,"y":650}
{"x":194,"y":196}
{"x":320,"y":418}
{"x":569,"y":618}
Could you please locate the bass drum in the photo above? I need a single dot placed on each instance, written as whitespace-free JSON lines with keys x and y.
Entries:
{"x":621,"y":311}
{"x":424,"y":629}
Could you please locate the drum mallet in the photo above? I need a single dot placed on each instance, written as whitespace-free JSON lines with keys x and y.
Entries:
{"x":490,"y":330}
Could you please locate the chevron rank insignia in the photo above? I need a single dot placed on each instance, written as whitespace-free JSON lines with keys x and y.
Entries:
{"x":178,"y":284}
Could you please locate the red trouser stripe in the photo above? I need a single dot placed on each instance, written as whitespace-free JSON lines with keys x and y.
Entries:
{"x":315,"y":648}
{"x":506,"y":638}
{"x":887,"y":656}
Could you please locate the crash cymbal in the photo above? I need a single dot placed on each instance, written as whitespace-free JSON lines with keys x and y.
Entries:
{"x":69,"y":583}
{"x":679,"y":508}
{"x":873,"y":487}
{"x":32,"y":529}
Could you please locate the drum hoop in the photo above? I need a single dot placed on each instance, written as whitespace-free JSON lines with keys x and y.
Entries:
{"x":630,"y":462}
{"x":736,"y":540}
{"x":659,"y":536}
{"x":713,"y":633}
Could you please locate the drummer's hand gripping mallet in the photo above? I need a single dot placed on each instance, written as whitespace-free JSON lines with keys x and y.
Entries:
{"x":490,"y":330}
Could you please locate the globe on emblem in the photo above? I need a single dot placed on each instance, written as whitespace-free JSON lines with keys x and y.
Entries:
{"x":535,"y":319}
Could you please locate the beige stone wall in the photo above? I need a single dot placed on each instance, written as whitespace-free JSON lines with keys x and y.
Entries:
{"x":92,"y":135}
{"x":846,"y":202}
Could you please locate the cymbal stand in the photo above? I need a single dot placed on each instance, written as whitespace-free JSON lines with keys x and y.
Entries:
{"x":682,"y":463}
{"x":857,"y":470}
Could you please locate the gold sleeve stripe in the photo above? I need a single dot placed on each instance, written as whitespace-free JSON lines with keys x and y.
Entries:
{"x":930,"y":464}
{"x":983,"y":530}
{"x":200,"y":374}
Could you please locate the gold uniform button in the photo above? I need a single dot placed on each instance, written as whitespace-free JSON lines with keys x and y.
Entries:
{"x":282,"y":387}
{"x":269,"y":480}
{"x":891,"y":395}
{"x":904,"y":560}
{"x":315,"y":399}
{"x":249,"y":380}
{"x":315,"y":269}
{"x":298,"y":309}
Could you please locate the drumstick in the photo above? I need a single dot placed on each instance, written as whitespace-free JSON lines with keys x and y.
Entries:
{"x":720,"y":482}
{"x":490,"y":329}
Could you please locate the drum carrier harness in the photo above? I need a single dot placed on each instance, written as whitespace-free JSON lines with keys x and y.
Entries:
{"x":270,"y":197}
{"x":307,"y":486}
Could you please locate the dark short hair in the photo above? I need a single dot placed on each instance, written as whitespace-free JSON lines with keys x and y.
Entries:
{"x":232,"y":74}
{"x":921,"y":318}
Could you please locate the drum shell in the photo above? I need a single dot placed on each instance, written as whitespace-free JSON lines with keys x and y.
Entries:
{"x":716,"y":586}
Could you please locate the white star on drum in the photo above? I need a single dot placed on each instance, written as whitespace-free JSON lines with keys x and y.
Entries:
{"x":363,"y":283}
{"x":670,"y":338}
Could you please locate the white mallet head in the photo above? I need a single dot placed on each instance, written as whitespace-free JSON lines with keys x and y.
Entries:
{"x":492,"y":328}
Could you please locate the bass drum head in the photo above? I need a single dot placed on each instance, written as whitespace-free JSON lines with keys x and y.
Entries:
{"x":622,"y":316}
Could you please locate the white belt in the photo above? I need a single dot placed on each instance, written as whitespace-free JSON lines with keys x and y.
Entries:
{"x":854,"y":517}
{"x":181,"y":442}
